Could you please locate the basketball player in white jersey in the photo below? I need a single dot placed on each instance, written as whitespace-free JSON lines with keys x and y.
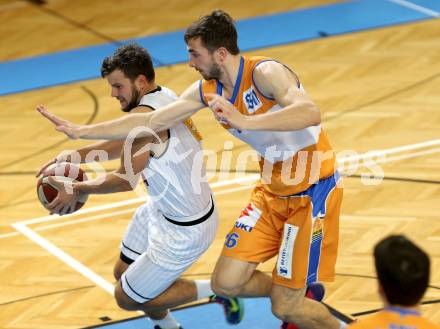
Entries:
{"x":178,"y":224}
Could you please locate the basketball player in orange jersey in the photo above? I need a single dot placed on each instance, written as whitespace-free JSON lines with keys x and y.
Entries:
{"x":294,"y":209}
{"x":403,"y":272}
{"x":178,"y":223}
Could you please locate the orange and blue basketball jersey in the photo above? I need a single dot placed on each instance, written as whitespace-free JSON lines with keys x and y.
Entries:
{"x":300,"y":151}
{"x":394,"y":318}
{"x":295,"y":218}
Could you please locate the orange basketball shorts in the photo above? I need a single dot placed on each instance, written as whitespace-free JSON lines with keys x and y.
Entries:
{"x":301,"y":229}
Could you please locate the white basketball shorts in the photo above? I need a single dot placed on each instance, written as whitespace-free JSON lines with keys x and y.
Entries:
{"x":161,"y":251}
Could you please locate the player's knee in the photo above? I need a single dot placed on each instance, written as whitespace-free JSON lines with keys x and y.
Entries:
{"x":124,"y":301}
{"x":119,"y":269}
{"x":226,"y":291}
{"x":223,"y":286}
{"x":117,"y":273}
{"x":287,"y":310}
{"x":288,"y":314}
{"x":230,"y":277}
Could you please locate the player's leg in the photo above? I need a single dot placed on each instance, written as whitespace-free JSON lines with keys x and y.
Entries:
{"x":181,"y":291}
{"x":134,"y":244}
{"x":234,"y":277}
{"x":151,"y":287}
{"x":161,"y":317}
{"x":253,"y":239}
{"x":152,"y":282}
{"x":291,"y":305}
{"x":307,"y":254}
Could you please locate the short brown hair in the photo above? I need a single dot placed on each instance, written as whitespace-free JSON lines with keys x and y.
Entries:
{"x":132,"y":59}
{"x":215,"y":30}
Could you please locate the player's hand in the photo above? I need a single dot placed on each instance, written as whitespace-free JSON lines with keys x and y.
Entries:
{"x":43,"y":167}
{"x":225,"y":112}
{"x":65,"y":156}
{"x":66,"y":200}
{"x":58,"y":159}
{"x":70,"y":129}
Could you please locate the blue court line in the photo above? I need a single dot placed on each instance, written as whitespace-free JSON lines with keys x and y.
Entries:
{"x":254,"y":33}
{"x":257,"y":316}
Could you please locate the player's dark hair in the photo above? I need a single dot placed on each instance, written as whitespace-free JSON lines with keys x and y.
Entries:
{"x":131,"y":59}
{"x":215,"y":30}
{"x":403,"y":270}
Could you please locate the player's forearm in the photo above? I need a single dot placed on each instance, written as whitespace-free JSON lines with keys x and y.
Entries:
{"x":117,"y":129}
{"x":293,"y":117}
{"x":112,"y":150}
{"x":111,"y":184}
{"x":141,"y":124}
{"x":168,"y":116}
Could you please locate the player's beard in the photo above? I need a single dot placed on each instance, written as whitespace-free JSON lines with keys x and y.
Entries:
{"x":213,"y":73}
{"x":134,"y":101}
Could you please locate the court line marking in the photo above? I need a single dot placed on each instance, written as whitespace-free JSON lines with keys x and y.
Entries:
{"x":64,"y":257}
{"x":85,"y":219}
{"x":121,"y":212}
{"x":416,"y":7}
{"x":91,"y":275}
{"x":395,"y":158}
{"x":85,"y":211}
{"x":382,"y":219}
{"x":8,"y":235}
{"x":248,"y":178}
{"x":131,"y":210}
{"x":72,"y":262}
{"x":129,"y":202}
{"x":398,"y":149}
{"x":107,"y":215}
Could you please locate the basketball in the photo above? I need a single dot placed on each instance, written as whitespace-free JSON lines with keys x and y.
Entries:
{"x":64,"y":171}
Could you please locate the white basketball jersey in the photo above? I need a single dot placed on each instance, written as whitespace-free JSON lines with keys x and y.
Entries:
{"x":174,"y":178}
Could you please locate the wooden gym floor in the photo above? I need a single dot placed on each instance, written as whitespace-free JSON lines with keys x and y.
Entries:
{"x":377,"y":90}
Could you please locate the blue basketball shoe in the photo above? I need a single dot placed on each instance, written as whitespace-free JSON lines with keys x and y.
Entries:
{"x":233,"y":308}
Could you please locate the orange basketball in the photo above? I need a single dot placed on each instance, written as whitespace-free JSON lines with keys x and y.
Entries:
{"x":64,"y":171}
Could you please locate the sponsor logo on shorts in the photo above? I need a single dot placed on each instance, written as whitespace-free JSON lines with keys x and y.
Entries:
{"x":285,"y":257}
{"x":317,"y":230}
{"x":243,"y":227}
{"x":283,"y":271}
{"x":248,"y":218}
{"x":231,"y":240}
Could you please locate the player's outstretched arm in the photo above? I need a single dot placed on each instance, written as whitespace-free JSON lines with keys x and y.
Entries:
{"x":100,"y":151}
{"x":159,"y":120}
